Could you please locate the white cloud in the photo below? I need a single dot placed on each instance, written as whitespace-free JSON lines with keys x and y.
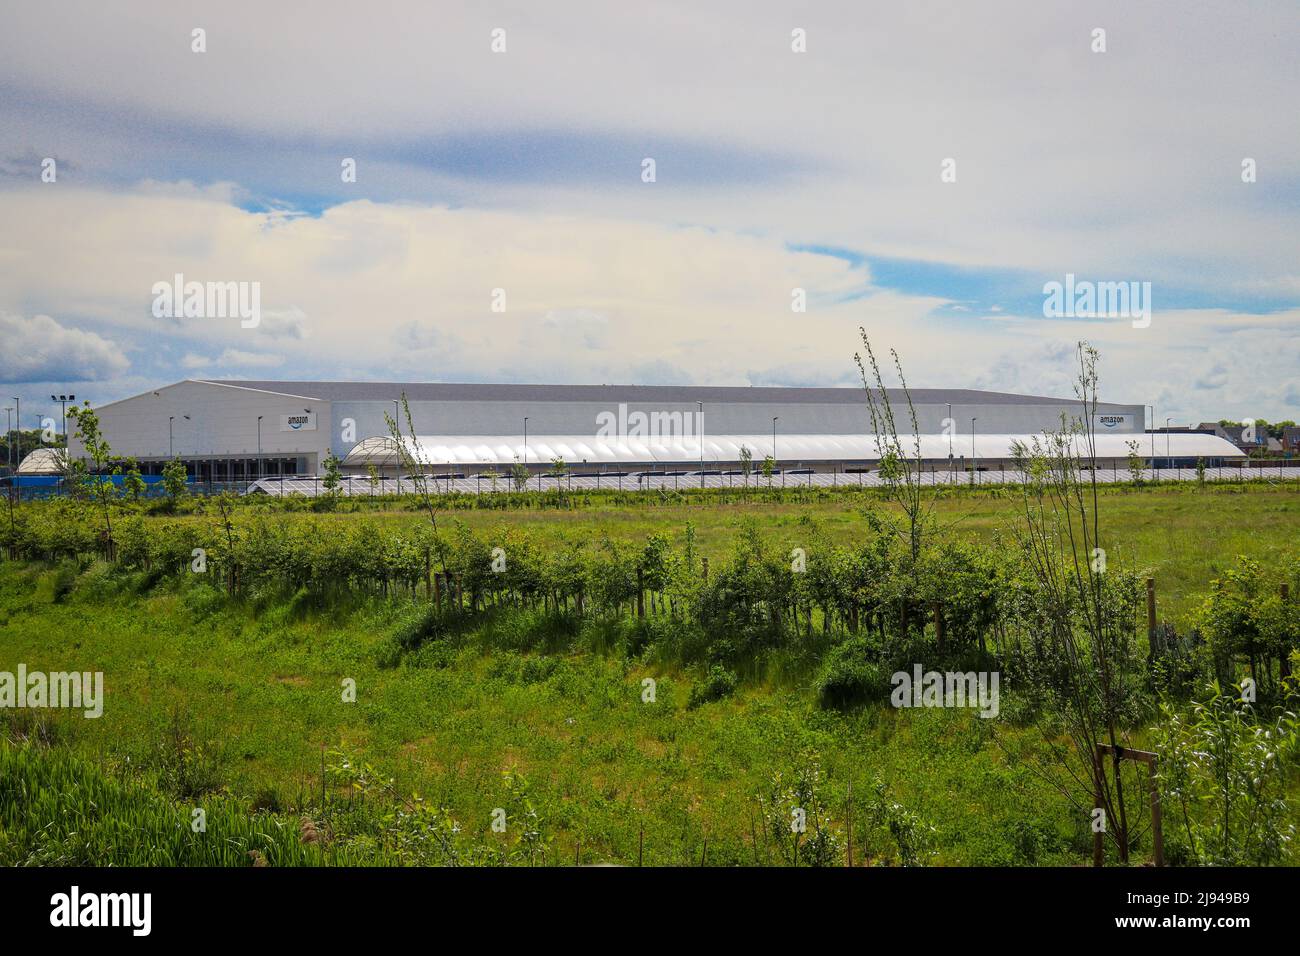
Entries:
{"x":233,"y":357}
{"x":249,"y":359}
{"x":39,"y":349}
{"x":852,"y":131}
{"x":589,"y":299}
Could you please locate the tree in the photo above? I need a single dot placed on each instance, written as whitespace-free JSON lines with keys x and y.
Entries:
{"x":175,"y":479}
{"x":746,"y":463}
{"x":133,"y":484}
{"x":1134,"y":463}
{"x":769,"y":468}
{"x":333,"y":477}
{"x":902,"y":475}
{"x":407,"y":459}
{"x":1084,"y":672}
{"x":559,"y":470}
{"x":519,"y":475}
{"x":97,"y":447}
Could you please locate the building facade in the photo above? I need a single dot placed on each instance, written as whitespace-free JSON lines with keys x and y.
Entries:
{"x":239,"y":430}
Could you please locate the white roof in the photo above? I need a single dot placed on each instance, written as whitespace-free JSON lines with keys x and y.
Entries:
{"x":43,"y":461}
{"x":575,"y":449}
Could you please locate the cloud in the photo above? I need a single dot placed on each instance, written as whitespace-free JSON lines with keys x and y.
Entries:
{"x":233,"y":357}
{"x":1216,"y":377}
{"x":748,"y":136}
{"x":383,"y":290}
{"x":39,"y":349}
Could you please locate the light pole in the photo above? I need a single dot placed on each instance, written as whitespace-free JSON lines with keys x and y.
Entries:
{"x":63,"y":400}
{"x":775,"y":419}
{"x":701,"y":404}
{"x":948,"y":423}
{"x":9,"y":436}
{"x":1167,"y":459}
{"x":259,"y":447}
{"x":539,"y":477}
{"x":1152,"y":409}
{"x":18,"y":436}
{"x":973,"y":469}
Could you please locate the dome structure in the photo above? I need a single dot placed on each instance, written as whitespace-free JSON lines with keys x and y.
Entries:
{"x":44,"y":461}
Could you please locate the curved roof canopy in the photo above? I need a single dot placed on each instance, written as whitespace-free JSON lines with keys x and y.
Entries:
{"x":574,"y":449}
{"x":43,"y":461}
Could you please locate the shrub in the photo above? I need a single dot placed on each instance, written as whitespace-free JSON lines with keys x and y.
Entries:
{"x":851,"y":675}
{"x":717,"y":684}
{"x":1223,"y":778}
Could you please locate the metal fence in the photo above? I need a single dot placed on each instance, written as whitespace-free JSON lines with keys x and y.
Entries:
{"x":310,"y":486}
{"x":685,"y":481}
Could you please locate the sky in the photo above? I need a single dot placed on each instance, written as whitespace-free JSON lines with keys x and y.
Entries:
{"x":522,"y":170}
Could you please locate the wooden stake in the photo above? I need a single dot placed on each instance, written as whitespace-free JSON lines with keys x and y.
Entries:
{"x":1157,"y":835}
{"x":1098,"y":803}
{"x":1151,"y":608}
{"x":848,"y":859}
{"x":1152,"y":761}
{"x":1284,"y":667}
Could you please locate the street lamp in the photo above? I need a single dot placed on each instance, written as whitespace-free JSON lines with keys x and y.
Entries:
{"x":972,"y":448}
{"x":1167,"y":421}
{"x":539,"y":477}
{"x":1152,"y":432}
{"x":9,"y":436}
{"x":259,"y":447}
{"x":948,"y":423}
{"x":63,"y":400}
{"x":775,"y":419}
{"x":18,"y":436}
{"x":701,"y":404}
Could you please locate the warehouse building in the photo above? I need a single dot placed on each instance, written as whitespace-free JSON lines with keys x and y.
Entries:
{"x":243,"y":430}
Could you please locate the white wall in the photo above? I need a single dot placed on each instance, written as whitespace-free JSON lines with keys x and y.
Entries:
{"x":222,"y":421}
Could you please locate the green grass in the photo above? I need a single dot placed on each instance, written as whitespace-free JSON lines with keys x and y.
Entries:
{"x":231,"y":706}
{"x":1184,"y":535}
{"x":262,"y":693}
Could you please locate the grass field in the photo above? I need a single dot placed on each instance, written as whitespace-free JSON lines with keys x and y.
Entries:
{"x":1185,"y":536}
{"x":217,"y":703}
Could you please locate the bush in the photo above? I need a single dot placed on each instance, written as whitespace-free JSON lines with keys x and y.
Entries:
{"x":852,"y":675}
{"x":1223,"y":781}
{"x":717,"y":684}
